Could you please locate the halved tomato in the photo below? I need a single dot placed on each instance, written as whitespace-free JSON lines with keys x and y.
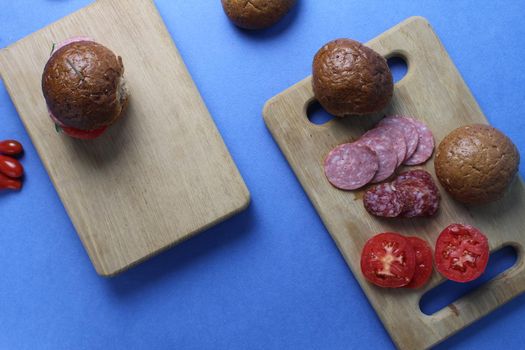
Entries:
{"x":462,"y":253}
{"x":388,"y":260}
{"x":423,"y":262}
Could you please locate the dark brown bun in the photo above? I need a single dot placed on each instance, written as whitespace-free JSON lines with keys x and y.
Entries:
{"x":256,"y":14}
{"x":351,"y":79}
{"x":476,"y":163}
{"x":83,"y":85}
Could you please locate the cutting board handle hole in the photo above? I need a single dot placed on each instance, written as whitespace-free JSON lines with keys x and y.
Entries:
{"x":398,"y":66}
{"x":317,"y":114}
{"x":445,"y":294}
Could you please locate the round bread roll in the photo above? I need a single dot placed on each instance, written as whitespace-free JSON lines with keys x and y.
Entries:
{"x":476,"y":163}
{"x":256,"y":14}
{"x":351,"y":79}
{"x":83,"y":86}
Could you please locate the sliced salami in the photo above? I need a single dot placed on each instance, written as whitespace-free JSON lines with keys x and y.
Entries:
{"x":416,"y":174}
{"x":420,"y":196}
{"x":414,"y":196}
{"x":395,"y":136}
{"x":434,"y":191}
{"x":382,"y":200}
{"x":413,"y":193}
{"x":425,"y":146}
{"x":387,"y":158}
{"x":433,"y":206}
{"x":408,"y":130}
{"x":350,"y":166}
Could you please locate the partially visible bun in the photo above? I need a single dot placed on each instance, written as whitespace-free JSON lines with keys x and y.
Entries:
{"x":476,"y":163}
{"x":351,"y":79}
{"x":83,"y":85}
{"x":256,"y":14}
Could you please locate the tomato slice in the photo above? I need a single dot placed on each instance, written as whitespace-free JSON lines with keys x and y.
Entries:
{"x":77,"y":133}
{"x":423,"y":269}
{"x":83,"y":134}
{"x":388,"y":260}
{"x":462,"y":253}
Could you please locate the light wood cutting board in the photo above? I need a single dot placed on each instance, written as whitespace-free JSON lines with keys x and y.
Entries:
{"x":433,"y":91}
{"x":158,"y":176}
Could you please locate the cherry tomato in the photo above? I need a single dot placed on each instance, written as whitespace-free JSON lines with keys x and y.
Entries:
{"x":11,"y":147}
{"x":9,"y":183}
{"x":388,"y":260}
{"x":10,"y":167}
{"x":423,"y":262}
{"x":83,"y":134}
{"x":462,"y":253}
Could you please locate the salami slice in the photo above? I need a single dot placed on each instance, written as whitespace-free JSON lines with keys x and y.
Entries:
{"x":416,"y":174}
{"x":408,"y":130}
{"x":433,"y":205}
{"x":382,"y":200}
{"x":395,"y":136}
{"x":350,"y":166}
{"x":414,"y":196}
{"x":387,"y":158}
{"x":425,"y":146}
{"x":420,"y":196}
{"x":434,"y":191}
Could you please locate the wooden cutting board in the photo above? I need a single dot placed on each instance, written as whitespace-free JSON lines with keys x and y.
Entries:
{"x":433,"y":91}
{"x":158,"y":176}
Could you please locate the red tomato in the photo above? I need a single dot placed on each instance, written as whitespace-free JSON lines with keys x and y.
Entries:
{"x":9,"y":183}
{"x":388,"y":260}
{"x":423,"y":262}
{"x":83,"y":134}
{"x":462,"y":253}
{"x":10,"y":167}
{"x":10,"y":147}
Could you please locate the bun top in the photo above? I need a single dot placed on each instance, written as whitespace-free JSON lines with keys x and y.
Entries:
{"x":351,"y":79}
{"x":82,"y":85}
{"x":256,"y":14}
{"x":476,"y":163}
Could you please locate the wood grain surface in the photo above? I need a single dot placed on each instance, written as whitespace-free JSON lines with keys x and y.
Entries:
{"x":434,"y":92}
{"x":158,"y":176}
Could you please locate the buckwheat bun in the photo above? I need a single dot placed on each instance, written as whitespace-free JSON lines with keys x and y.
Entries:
{"x":351,"y":79}
{"x":84,"y":87}
{"x":256,"y":14}
{"x":476,"y":163}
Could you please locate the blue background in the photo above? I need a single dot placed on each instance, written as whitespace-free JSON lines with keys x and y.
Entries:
{"x":271,"y":277}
